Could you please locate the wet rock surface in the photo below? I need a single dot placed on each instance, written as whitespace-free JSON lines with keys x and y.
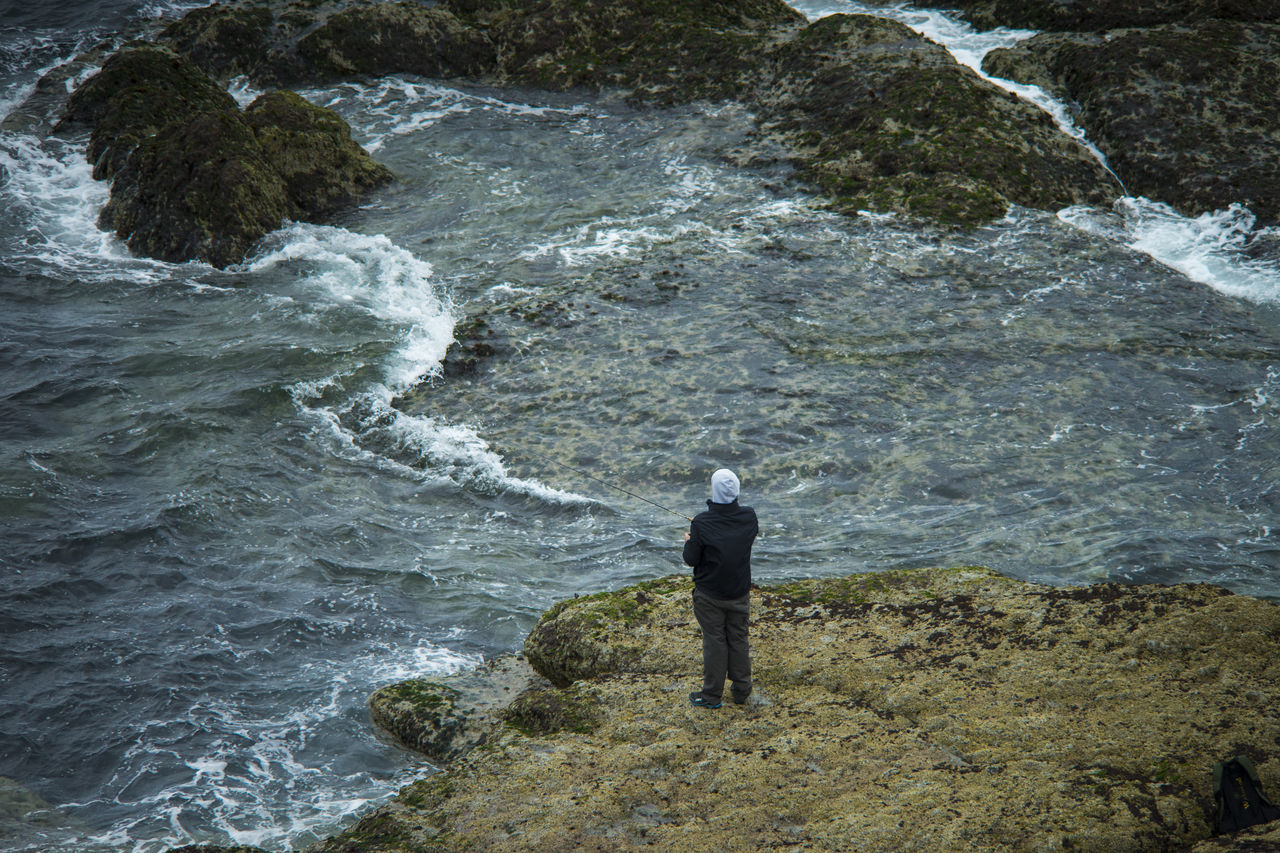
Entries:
{"x":919,"y":710}
{"x":883,"y":119}
{"x":1095,"y":15}
{"x":446,"y":717}
{"x":194,"y":178}
{"x":873,"y":116}
{"x":1185,"y":113}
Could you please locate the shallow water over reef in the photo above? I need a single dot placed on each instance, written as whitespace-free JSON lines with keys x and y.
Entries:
{"x":236,"y":502}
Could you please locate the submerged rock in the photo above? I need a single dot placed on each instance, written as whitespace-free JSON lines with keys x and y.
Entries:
{"x":1185,"y":115}
{"x":919,"y":710}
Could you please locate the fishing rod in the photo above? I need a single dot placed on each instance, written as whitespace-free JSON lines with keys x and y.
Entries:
{"x":582,"y":473}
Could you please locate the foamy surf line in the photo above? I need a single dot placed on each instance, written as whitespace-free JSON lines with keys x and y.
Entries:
{"x":346,"y":271}
{"x":395,"y":106}
{"x":1210,"y":248}
{"x":256,"y":780}
{"x":49,"y":185}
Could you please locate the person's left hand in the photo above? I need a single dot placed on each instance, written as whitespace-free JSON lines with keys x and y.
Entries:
{"x":686,"y":536}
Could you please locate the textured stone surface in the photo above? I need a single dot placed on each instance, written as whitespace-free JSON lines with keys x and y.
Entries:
{"x":1093,"y":15}
{"x":884,"y":119}
{"x":193,"y":177}
{"x":446,"y":717}
{"x":923,"y":710}
{"x":139,"y":90}
{"x":395,"y":38}
{"x":311,"y":149}
{"x":874,"y":116}
{"x":1185,"y":115}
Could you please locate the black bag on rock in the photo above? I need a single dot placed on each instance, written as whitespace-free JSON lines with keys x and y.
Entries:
{"x":1239,"y":796}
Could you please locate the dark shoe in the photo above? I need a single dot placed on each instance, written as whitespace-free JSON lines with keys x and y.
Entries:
{"x":738,"y":701}
{"x":700,"y":701}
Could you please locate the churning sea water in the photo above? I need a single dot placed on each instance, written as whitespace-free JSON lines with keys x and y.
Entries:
{"x":233,"y":503}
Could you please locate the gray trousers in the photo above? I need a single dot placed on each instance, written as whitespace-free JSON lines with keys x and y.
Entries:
{"x":725,"y":649}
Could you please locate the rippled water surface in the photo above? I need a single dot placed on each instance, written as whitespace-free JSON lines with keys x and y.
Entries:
{"x":233,"y":503}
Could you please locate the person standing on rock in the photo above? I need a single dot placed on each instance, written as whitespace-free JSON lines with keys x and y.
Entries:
{"x":718,"y":547}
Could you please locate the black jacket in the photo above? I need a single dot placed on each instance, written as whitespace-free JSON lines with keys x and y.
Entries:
{"x":719,"y":549}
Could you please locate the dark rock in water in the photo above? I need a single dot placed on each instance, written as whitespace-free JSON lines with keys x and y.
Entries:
{"x":395,"y":38}
{"x":215,"y":848}
{"x":310,"y":147}
{"x":198,"y":189}
{"x":1185,"y":115}
{"x":225,"y":42}
{"x":664,"y":52}
{"x":875,"y":116}
{"x":884,"y":119}
{"x":1095,"y":15}
{"x":447,"y":717}
{"x":192,"y":176}
{"x":139,"y":90}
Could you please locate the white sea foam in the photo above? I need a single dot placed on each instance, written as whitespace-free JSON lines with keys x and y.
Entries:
{"x":258,"y":780}
{"x":1210,"y":248}
{"x":345,"y":271}
{"x":49,"y":186}
{"x":395,"y":106}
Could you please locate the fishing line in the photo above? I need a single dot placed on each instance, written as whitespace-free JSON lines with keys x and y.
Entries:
{"x":582,"y":473}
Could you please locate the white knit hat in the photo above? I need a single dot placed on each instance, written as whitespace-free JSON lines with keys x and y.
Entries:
{"x":724,"y":486}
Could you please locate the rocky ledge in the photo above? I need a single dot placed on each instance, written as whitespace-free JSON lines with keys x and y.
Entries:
{"x":919,"y":710}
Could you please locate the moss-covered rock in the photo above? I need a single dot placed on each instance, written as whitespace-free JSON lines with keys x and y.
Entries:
{"x":923,"y":710}
{"x":1096,"y":15}
{"x":198,"y":189}
{"x":1185,"y":115}
{"x":311,"y":148}
{"x":881,"y":118}
{"x":421,"y":715}
{"x":396,"y":38}
{"x":192,"y":176}
{"x":447,"y":717}
{"x":139,"y":90}
{"x":659,"y":50}
{"x":548,"y":710}
{"x":875,"y":116}
{"x":600,"y":634}
{"x":223,"y":41}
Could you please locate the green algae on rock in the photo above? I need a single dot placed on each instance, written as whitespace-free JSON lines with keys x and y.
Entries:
{"x":916,"y":710}
{"x":884,"y":119}
{"x":199,"y":189}
{"x":139,"y":90}
{"x":874,"y":115}
{"x":311,"y":148}
{"x":1185,"y":114}
{"x":446,"y":717}
{"x":1096,"y":15}
{"x":395,"y":38}
{"x":194,"y":178}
